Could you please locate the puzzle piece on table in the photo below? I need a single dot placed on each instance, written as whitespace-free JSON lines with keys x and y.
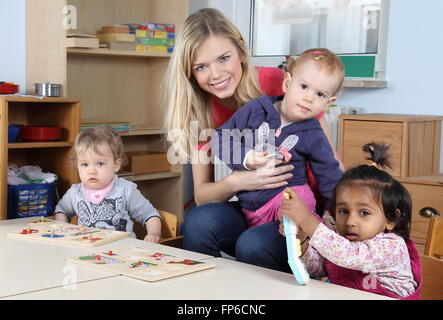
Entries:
{"x":294,"y":249}
{"x":67,"y":234}
{"x":143,"y":264}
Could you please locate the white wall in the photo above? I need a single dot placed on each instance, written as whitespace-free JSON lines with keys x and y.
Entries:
{"x":414,"y":66}
{"x":13,"y":42}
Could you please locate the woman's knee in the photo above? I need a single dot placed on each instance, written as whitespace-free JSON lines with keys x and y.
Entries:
{"x":263,"y":246}
{"x":221,"y":219}
{"x":249,"y":246}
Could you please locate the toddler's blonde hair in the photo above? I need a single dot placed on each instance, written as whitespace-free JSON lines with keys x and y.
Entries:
{"x":325,"y":59}
{"x":93,"y":138}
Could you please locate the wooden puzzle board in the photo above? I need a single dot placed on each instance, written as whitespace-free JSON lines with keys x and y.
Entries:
{"x":139,"y":263}
{"x":44,"y":230}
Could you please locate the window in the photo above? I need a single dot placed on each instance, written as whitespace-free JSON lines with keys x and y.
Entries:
{"x":354,"y":29}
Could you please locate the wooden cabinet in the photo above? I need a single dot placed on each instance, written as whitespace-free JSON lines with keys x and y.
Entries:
{"x":50,"y":156}
{"x":415,"y":157}
{"x":426,"y":191}
{"x":414,"y":140}
{"x":115,"y":85}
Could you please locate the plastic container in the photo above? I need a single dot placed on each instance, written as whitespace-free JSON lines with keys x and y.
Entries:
{"x":8,"y":88}
{"x":40,"y":134}
{"x":29,"y":200}
{"x":13,"y":132}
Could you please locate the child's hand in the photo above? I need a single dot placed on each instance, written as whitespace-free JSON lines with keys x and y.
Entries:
{"x":281,"y":227}
{"x":293,"y":208}
{"x":154,"y":229}
{"x":154,"y":238}
{"x":296,"y":210}
{"x":329,"y":221}
{"x":256,"y":160}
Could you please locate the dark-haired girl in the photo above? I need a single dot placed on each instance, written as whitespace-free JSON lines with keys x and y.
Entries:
{"x":371,"y":250}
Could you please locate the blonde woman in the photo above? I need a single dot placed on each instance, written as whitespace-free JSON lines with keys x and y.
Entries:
{"x":209,"y":77}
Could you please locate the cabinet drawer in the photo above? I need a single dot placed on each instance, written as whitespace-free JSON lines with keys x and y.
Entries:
{"x":423,"y":195}
{"x":358,"y":133}
{"x":414,"y":141}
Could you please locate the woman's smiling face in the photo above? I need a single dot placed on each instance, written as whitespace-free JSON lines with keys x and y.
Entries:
{"x":217,"y":67}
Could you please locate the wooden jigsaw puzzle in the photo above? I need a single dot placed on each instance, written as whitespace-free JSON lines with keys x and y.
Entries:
{"x":67,"y":234}
{"x":139,"y":263}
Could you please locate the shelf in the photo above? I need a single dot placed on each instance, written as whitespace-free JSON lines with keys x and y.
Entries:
{"x":149,"y":176}
{"x":145,"y":132}
{"x":31,"y":98}
{"x":364,"y":83}
{"x":36,"y":145}
{"x":121,"y":53}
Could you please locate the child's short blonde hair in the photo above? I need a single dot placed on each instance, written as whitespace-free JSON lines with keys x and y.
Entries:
{"x":92,"y":138}
{"x":325,"y":59}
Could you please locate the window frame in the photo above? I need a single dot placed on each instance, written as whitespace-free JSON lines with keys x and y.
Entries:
{"x":244,"y":23}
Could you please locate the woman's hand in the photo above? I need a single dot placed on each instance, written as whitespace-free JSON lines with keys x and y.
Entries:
{"x":261,"y":179}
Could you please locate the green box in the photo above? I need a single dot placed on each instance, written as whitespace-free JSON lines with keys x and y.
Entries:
{"x":359,"y":66}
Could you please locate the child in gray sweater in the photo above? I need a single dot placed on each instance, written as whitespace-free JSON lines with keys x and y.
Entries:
{"x":102,"y":199}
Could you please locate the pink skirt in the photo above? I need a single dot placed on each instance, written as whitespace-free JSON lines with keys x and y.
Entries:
{"x":271,"y":210}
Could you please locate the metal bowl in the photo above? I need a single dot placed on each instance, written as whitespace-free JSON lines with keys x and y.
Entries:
{"x":48,"y":89}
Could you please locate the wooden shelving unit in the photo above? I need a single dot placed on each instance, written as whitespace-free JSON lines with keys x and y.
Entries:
{"x":50,"y":156}
{"x":122,"y":53}
{"x":33,"y":145}
{"x":112,"y":85}
{"x":146,"y":132}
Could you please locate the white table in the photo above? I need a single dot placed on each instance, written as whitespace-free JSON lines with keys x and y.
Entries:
{"x":27,"y":266}
{"x":229,"y":280}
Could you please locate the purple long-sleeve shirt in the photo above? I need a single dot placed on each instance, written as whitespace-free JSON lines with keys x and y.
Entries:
{"x":231,"y":146}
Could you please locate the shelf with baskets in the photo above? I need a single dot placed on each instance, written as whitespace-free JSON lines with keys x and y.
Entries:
{"x":51,"y":156}
{"x":119,"y":85}
{"x":113,"y":85}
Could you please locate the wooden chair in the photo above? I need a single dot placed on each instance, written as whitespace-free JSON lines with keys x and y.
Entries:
{"x":432,"y":283}
{"x":170,"y":225}
{"x":434,"y":239}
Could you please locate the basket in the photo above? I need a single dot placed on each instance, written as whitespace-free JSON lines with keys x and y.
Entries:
{"x":28,"y":200}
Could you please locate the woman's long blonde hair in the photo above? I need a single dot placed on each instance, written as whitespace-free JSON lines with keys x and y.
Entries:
{"x":184,"y":99}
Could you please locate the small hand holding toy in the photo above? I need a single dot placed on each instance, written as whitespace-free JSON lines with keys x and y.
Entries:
{"x":294,"y":249}
{"x":264,"y":135}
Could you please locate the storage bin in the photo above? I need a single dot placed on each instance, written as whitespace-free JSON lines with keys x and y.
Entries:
{"x":28,"y":200}
{"x":13,"y":132}
{"x":147,"y":162}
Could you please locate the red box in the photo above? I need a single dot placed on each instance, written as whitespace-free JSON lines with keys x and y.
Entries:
{"x":40,"y":134}
{"x":7,"y":88}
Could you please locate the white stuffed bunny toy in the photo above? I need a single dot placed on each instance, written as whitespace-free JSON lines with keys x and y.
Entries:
{"x":264,"y":135}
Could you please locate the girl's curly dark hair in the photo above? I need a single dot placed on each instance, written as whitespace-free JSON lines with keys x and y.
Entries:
{"x":393,"y":196}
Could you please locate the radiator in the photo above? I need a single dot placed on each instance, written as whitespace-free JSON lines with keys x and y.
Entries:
{"x":333,"y":122}
{"x":221,"y":170}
